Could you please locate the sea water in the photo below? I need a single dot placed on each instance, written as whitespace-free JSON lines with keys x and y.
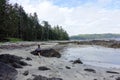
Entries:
{"x":93,"y":55}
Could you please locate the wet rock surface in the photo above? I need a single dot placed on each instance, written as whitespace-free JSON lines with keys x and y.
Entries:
{"x":7,"y":72}
{"x":39,"y":77}
{"x":12,"y":60}
{"x":48,"y":53}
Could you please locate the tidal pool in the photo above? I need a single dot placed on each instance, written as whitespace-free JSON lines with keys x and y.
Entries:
{"x":93,"y":55}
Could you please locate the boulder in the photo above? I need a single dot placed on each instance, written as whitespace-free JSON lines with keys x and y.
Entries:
{"x":7,"y":72}
{"x":48,"y":53}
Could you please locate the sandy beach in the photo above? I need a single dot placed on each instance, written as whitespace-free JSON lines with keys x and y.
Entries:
{"x":58,"y":67}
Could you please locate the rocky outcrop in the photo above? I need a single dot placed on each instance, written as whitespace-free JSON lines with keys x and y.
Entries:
{"x":39,"y":77}
{"x":7,"y":72}
{"x":48,"y":53}
{"x":12,"y":60}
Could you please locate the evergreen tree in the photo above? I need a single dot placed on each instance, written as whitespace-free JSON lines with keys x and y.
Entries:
{"x":15,"y":22}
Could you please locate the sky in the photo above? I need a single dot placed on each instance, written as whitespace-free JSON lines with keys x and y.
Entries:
{"x":77,"y":16}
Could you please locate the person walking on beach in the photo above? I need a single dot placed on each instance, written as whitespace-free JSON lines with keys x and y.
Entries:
{"x":38,"y":50}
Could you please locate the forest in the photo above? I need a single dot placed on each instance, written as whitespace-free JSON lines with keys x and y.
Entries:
{"x":95,"y":36}
{"x":16,"y":23}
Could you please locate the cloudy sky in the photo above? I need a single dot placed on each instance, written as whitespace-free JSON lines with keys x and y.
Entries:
{"x":77,"y":16}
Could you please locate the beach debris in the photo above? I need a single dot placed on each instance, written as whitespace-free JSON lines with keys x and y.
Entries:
{"x":90,"y":70}
{"x":15,"y":46}
{"x":7,"y":72}
{"x":43,"y":68}
{"x":113,"y":72}
{"x":67,"y":67}
{"x":39,"y":77}
{"x":78,"y":61}
{"x":28,"y":58}
{"x":48,"y":53}
{"x":12,"y":60}
{"x":26,"y":73}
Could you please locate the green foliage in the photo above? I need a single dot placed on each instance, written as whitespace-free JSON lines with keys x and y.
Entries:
{"x":95,"y":36}
{"x":14,"y":39}
{"x":15,"y":22}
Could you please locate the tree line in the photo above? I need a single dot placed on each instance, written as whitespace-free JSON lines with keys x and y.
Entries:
{"x":15,"y":22}
{"x":95,"y":36}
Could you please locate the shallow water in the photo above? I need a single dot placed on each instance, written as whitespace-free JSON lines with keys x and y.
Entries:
{"x":94,"y":55}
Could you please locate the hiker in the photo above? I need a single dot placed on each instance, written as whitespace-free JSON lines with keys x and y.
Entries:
{"x":38,"y":50}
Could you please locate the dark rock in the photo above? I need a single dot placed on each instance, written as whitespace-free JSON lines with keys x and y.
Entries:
{"x":28,"y":58}
{"x":48,"y":53}
{"x":16,"y":65}
{"x":67,"y":67}
{"x":90,"y":70}
{"x":112,"y":72}
{"x":26,"y":73}
{"x":12,"y":60}
{"x":78,"y":61}
{"x":43,"y":68}
{"x":39,"y":77}
{"x":23,"y":63}
{"x":118,"y":78}
{"x":7,"y":72}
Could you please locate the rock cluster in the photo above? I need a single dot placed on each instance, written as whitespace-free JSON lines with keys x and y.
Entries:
{"x":12,"y":60}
